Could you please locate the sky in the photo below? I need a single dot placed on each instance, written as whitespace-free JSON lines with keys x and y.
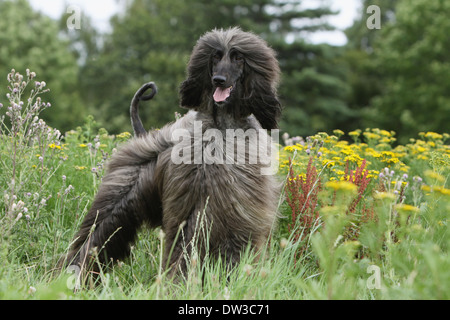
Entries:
{"x":100,"y":12}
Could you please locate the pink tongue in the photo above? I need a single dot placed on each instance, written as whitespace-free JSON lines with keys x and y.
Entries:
{"x":221,"y":94}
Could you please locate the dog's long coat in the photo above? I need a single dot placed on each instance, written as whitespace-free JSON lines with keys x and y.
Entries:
{"x":231,"y":85}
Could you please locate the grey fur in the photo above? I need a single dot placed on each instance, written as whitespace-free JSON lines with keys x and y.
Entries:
{"x":143,"y":185}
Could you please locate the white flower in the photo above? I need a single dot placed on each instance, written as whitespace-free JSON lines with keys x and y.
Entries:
{"x":19,"y":216}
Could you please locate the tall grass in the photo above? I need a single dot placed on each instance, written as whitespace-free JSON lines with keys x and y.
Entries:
{"x":362,"y":220}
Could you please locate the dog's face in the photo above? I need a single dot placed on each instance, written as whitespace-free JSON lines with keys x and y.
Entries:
{"x":227,"y":73}
{"x":236,"y":71}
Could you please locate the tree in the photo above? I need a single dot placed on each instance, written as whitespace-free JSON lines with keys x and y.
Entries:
{"x":412,"y":54}
{"x":152,"y":41}
{"x":364,"y":77}
{"x":312,"y":90}
{"x":30,"y":40}
{"x":362,"y":38}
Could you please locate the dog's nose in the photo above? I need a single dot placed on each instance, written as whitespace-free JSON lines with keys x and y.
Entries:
{"x":219,"y":81}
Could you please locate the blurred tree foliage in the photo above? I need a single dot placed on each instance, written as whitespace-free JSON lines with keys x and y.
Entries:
{"x":152,"y":41}
{"x":396,"y":78}
{"x":363,"y":75}
{"x":413,"y":55}
{"x":400,"y":74}
{"x":30,"y":40}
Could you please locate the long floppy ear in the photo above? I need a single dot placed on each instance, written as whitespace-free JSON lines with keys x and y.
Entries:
{"x":191,"y":93}
{"x":262,"y":100}
{"x":198,"y":76}
{"x":261,"y":74}
{"x":269,"y":116}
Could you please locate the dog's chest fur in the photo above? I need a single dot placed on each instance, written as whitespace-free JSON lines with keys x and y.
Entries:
{"x":227,"y":186}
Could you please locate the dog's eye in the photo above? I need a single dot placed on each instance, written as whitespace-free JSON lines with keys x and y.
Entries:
{"x":217,"y":56}
{"x":238,"y":58}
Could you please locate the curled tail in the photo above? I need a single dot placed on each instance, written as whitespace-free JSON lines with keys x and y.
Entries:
{"x":136,"y":122}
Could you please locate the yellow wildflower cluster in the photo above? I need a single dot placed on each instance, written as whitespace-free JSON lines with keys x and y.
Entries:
{"x":54,"y":146}
{"x":437,"y":189}
{"x":344,"y":186}
{"x":123,"y":136}
{"x":437,"y":184}
{"x":406,"y":208}
{"x":334,"y":153}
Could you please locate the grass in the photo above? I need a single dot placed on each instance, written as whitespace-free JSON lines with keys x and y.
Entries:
{"x":363,"y":218}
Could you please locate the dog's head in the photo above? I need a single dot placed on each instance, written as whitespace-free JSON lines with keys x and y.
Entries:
{"x":235,"y":70}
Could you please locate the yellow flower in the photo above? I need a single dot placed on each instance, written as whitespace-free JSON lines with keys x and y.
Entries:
{"x":330,"y":139}
{"x":289,"y":148}
{"x":433,"y":135}
{"x":355,"y":133}
{"x":293,"y":148}
{"x":381,"y":146}
{"x":124,"y":135}
{"x":371,"y":136}
{"x":385,"y":195}
{"x":354,"y":158}
{"x":371,"y":152}
{"x":342,"y":186}
{"x":54,"y":146}
{"x":80,"y":168}
{"x":338,"y":132}
{"x":434,"y":176}
{"x":442,"y":190}
{"x":339,"y":172}
{"x":392,"y":160}
{"x":82,"y":145}
{"x":422,"y":157}
{"x":386,"y":140}
{"x":406,"y":208}
{"x":387,"y":153}
{"x":346,"y":151}
{"x":373,"y":174}
{"x":333,"y":210}
{"x":328,"y":163}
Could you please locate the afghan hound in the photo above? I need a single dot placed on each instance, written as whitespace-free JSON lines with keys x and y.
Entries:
{"x":205,"y":166}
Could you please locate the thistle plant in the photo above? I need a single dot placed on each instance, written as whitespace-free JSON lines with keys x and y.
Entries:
{"x":26,"y":142}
